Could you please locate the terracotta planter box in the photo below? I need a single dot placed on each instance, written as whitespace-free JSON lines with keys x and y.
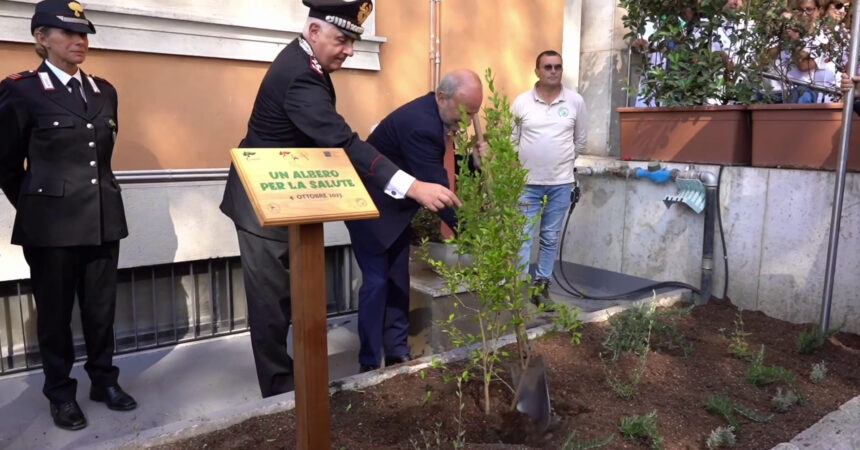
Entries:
{"x":801,"y":136}
{"x":698,"y":134}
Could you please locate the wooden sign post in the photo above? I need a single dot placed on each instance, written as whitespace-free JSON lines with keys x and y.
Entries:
{"x":302,"y":188}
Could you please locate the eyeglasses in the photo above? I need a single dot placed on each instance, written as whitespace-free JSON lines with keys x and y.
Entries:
{"x":549,"y":67}
{"x":838,"y":6}
{"x":808,"y":10}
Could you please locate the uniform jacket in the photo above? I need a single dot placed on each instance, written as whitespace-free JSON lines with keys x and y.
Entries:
{"x":413,"y":138}
{"x":67,"y":195}
{"x":295,"y":107}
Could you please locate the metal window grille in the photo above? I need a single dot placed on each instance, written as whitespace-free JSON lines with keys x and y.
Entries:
{"x":163,"y":305}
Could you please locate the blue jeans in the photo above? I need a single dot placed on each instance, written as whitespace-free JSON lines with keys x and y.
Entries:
{"x":801,"y":94}
{"x":557,"y":204}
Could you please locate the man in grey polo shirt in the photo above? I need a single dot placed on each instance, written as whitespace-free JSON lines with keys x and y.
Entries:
{"x":550,"y":130}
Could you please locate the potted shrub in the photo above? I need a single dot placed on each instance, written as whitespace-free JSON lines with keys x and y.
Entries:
{"x":801,"y":136}
{"x":700,"y":66}
{"x":807,"y":135}
{"x":711,"y":94}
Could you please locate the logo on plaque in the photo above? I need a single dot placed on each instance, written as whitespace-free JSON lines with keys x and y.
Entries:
{"x":302,"y":185}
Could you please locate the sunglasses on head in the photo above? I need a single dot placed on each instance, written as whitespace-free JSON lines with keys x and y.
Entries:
{"x":549,"y":67}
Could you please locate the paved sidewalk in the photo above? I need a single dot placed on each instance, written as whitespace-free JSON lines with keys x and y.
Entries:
{"x":173,"y":384}
{"x":839,"y":430}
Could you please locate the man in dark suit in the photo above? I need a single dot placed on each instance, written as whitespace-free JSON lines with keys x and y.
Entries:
{"x":413,"y":137}
{"x":69,"y":212}
{"x":295,"y":107}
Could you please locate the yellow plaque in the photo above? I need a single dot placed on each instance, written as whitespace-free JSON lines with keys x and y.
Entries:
{"x":290,"y":186}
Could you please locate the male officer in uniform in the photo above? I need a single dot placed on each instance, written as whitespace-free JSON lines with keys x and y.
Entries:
{"x":69,"y":212}
{"x":295,"y":107}
{"x":413,"y":137}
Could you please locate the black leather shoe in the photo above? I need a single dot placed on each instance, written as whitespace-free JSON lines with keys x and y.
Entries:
{"x":364,"y":368}
{"x":114,"y":397}
{"x":68,"y":415}
{"x":541,"y":297}
{"x":392,"y":360}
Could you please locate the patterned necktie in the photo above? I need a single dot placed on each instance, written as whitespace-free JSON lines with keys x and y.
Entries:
{"x":78,"y":92}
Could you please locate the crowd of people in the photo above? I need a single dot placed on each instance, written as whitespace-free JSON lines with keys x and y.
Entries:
{"x":817,"y":52}
{"x":798,"y":47}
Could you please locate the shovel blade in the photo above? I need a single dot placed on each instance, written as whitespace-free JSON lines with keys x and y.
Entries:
{"x":534,"y":394}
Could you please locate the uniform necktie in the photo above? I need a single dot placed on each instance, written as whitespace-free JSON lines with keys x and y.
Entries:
{"x":78,"y":92}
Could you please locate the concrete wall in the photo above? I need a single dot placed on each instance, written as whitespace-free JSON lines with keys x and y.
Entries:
{"x":776,"y":225}
{"x":602,"y":73}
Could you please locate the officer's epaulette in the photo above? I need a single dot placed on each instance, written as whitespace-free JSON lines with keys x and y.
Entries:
{"x":98,"y":78}
{"x":22,"y":75}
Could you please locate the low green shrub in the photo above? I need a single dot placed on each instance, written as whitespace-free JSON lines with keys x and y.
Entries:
{"x":721,"y":437}
{"x":738,"y":345}
{"x":783,"y":400}
{"x":722,"y":405}
{"x":818,"y":372}
{"x":574,"y":443}
{"x":566,"y":319}
{"x":810,"y":340}
{"x":643,"y":328}
{"x":760,"y":375}
{"x":643,"y":430}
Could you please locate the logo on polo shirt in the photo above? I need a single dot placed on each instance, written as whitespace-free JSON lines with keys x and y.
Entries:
{"x":563,"y":112}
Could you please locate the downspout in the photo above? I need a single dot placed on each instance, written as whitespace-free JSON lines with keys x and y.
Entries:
{"x":711,"y":205}
{"x":432,"y":42}
{"x":438,"y":60}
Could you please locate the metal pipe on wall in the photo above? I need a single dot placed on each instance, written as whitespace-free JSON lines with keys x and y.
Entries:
{"x":711,"y":204}
{"x":438,"y":61}
{"x":839,"y":188}
{"x":431,"y":57}
{"x":708,"y":245}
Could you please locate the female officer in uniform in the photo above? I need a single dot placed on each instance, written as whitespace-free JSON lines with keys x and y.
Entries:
{"x":57,"y":130}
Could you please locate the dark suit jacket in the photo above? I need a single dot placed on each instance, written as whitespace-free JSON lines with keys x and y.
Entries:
{"x":67,"y":195}
{"x":295,"y":107}
{"x":413,"y":138}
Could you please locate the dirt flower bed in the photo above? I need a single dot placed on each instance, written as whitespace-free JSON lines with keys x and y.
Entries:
{"x":415,"y":411}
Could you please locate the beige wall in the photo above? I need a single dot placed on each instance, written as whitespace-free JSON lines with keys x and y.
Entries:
{"x":503,"y":35}
{"x":185,"y":112}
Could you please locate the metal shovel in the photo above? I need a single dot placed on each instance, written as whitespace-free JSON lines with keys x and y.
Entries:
{"x":533,"y":392}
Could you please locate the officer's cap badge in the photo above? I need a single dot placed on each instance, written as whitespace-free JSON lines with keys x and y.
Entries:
{"x":77,"y":8}
{"x":364,"y":12}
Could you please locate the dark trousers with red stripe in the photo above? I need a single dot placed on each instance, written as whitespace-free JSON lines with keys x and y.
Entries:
{"x":266,"y":273}
{"x":57,"y":275}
